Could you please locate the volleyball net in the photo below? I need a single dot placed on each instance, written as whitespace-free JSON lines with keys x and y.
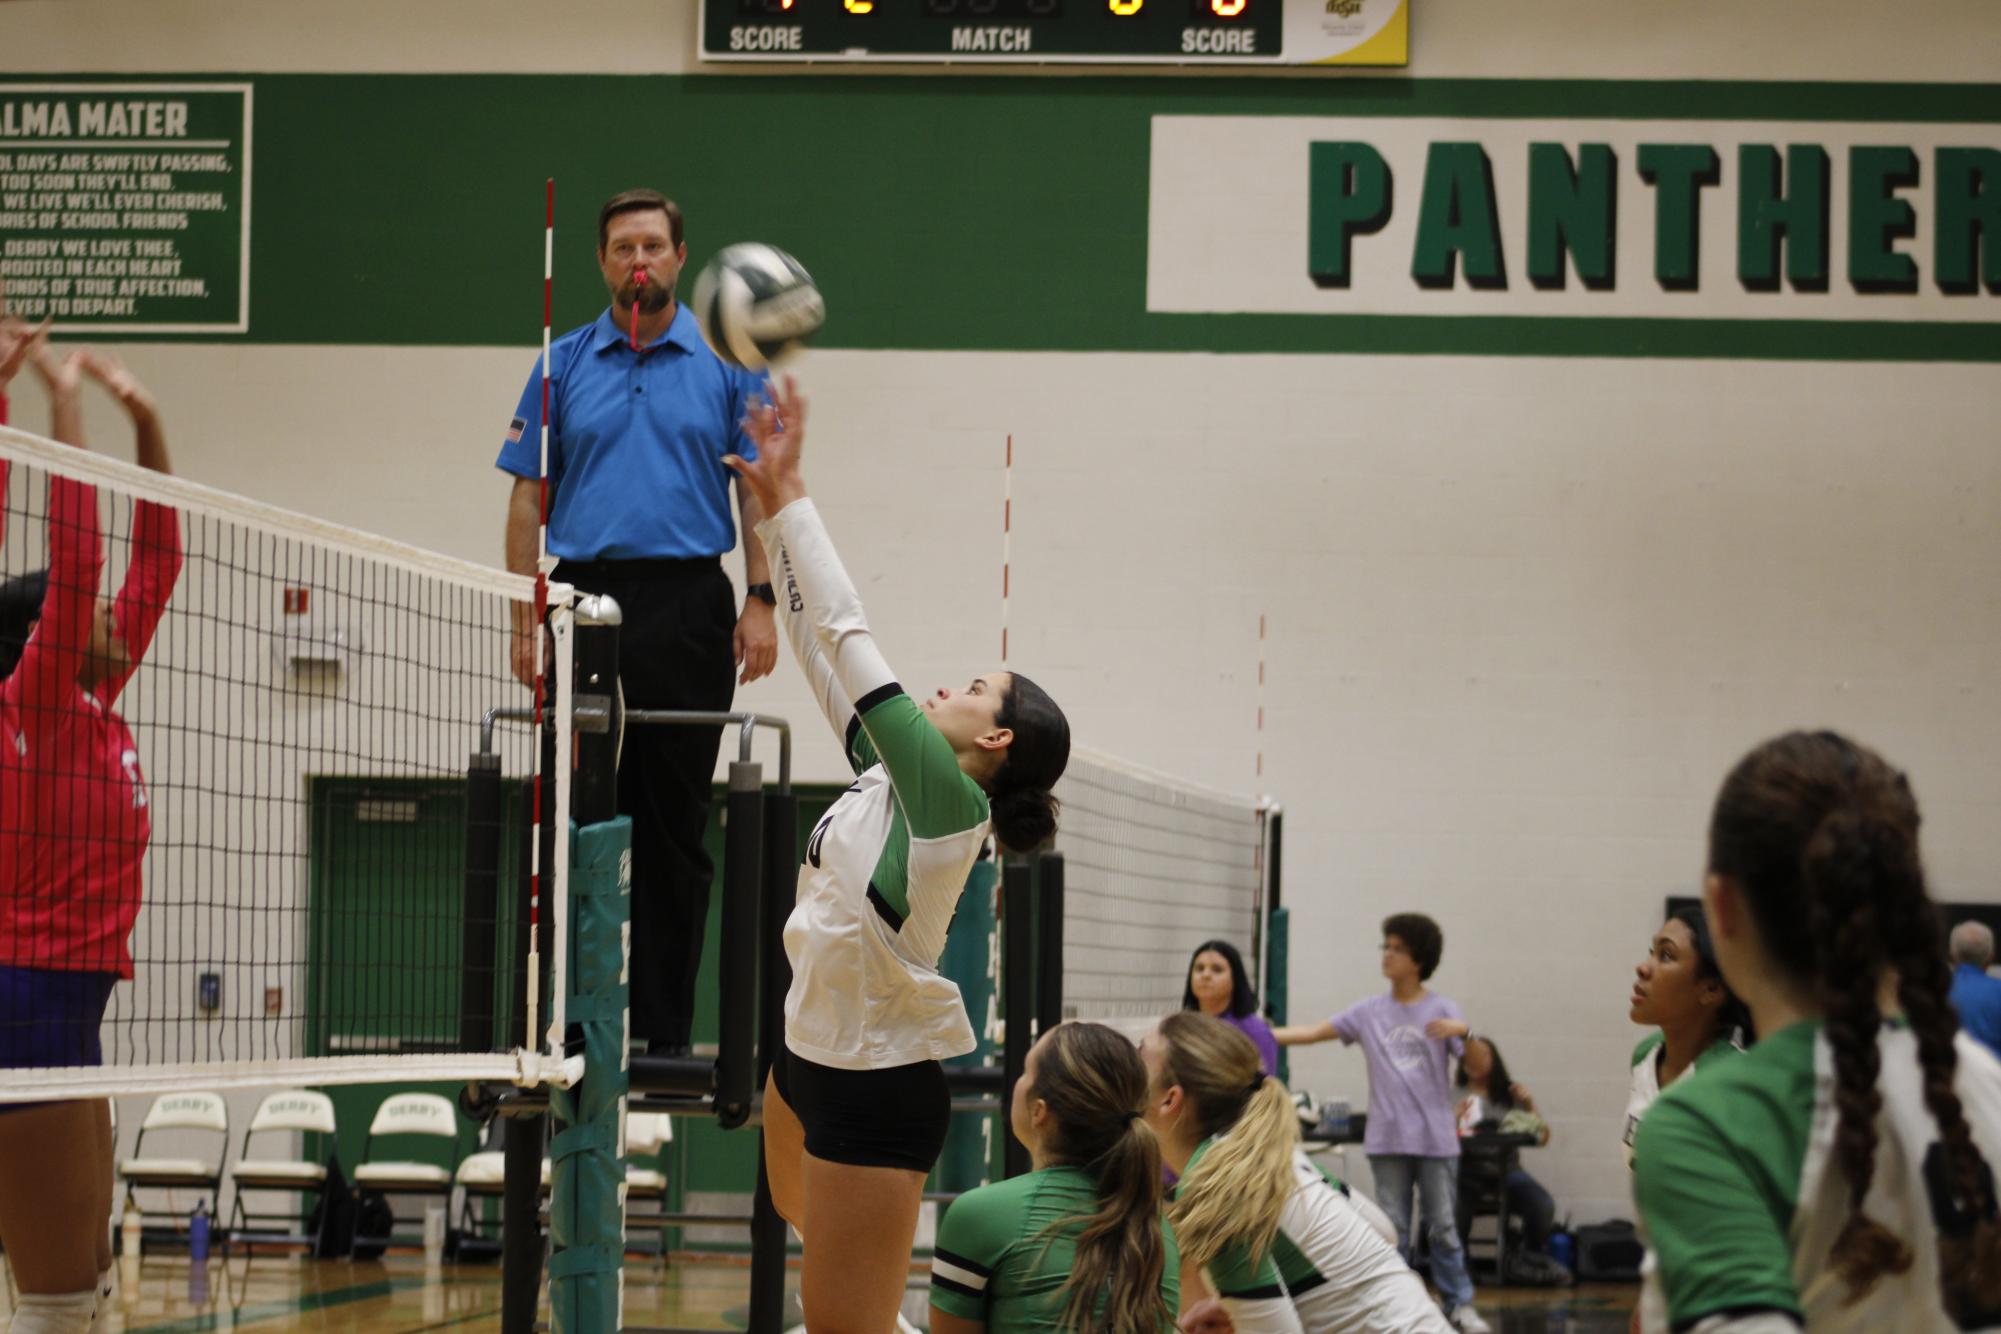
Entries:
{"x":1155,"y":865}
{"x":257,"y":834}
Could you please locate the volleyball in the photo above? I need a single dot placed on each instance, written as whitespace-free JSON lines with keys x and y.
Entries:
{"x":756,"y":305}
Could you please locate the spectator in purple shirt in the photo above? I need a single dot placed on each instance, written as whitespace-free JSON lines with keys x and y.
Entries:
{"x":1217,"y":985}
{"x":1410,"y":1037}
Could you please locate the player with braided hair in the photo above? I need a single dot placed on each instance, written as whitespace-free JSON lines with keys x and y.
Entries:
{"x":1836,"y":1176}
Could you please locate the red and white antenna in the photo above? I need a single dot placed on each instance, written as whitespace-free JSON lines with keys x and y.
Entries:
{"x":534,"y":979}
{"x":1007,"y":527}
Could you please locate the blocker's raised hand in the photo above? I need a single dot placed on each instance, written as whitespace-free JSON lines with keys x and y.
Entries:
{"x":17,"y":342}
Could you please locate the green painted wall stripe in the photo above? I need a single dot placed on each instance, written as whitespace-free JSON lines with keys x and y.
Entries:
{"x":990,"y":213}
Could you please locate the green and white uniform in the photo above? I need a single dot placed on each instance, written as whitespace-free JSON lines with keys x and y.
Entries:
{"x":1337,"y":1269}
{"x":1646,"y":1083}
{"x":885,"y":866}
{"x":1742,"y":1199}
{"x":1248,"y":1286}
{"x":1000,"y":1260}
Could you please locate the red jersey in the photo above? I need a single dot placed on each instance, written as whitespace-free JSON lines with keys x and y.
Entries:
{"x":74,"y":818}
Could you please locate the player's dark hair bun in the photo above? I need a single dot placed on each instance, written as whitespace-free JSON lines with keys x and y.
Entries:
{"x":1024,"y":809}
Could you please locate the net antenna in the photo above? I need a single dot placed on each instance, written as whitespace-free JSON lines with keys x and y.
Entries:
{"x":300,"y":724}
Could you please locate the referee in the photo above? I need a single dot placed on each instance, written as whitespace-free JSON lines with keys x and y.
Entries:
{"x":641,"y":413}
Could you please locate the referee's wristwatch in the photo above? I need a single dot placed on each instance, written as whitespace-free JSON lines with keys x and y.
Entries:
{"x":763,"y":593}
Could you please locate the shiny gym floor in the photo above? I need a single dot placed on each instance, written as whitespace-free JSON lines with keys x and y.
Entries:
{"x":402,"y":1295}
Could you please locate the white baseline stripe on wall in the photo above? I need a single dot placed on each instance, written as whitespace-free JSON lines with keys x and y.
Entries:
{"x":1228,"y":220}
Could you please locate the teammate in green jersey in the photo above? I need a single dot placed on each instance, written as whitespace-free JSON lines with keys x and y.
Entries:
{"x":1078,"y":1244}
{"x":856,"y":1108}
{"x":1836,"y":1176}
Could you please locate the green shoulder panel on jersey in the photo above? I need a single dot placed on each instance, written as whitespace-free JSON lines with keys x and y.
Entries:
{"x":1294,"y":1268}
{"x":1648,"y":1045}
{"x":935,"y":795}
{"x":1716,"y":1177}
{"x":1235,"y":1271}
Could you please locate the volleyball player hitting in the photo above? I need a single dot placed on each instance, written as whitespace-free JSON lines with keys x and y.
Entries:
{"x":1838,"y":1175}
{"x":856,"y":1108}
{"x":74,"y":826}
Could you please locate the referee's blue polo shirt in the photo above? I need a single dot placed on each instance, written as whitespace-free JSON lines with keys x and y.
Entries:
{"x":636,"y":442}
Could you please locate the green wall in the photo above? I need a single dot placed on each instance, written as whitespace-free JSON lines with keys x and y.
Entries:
{"x":971,"y":213}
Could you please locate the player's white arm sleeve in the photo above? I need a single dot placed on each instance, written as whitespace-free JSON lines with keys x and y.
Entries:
{"x":1263,"y":1315}
{"x":835,"y":702}
{"x":816,"y":588}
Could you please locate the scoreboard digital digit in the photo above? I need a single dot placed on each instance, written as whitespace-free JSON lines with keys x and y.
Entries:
{"x":1160,"y":32}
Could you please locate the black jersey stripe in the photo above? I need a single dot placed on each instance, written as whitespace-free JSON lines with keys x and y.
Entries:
{"x":1300,"y":1287}
{"x":940,"y":1281}
{"x":954,"y":1258}
{"x":867,"y":703}
{"x":1264,"y":1293}
{"x":854,"y":730}
{"x":882,"y":908}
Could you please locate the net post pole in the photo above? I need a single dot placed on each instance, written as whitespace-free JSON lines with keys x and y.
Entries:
{"x":1018,"y":971}
{"x":1049,"y":941}
{"x":479,"y":982}
{"x":736,"y":1018}
{"x":779,"y":889}
{"x":587,"y":1149}
{"x":1276,"y":930}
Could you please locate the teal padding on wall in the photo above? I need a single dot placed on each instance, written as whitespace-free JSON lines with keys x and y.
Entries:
{"x":586,"y":1210}
{"x":1278,"y":955}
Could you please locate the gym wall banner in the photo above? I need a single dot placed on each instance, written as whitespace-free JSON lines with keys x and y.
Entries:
{"x":1568,"y":219}
{"x":125,"y":208}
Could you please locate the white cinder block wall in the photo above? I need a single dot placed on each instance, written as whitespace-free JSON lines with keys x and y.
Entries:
{"x":1523,"y":612}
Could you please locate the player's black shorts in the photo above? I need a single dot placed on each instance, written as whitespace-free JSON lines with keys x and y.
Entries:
{"x":868,"y":1118}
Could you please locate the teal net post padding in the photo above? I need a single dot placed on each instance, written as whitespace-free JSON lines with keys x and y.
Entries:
{"x":1277,"y":953}
{"x":969,"y":961}
{"x":587,"y":1201}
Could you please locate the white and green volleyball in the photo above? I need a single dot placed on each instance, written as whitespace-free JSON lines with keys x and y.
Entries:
{"x":756,"y":304}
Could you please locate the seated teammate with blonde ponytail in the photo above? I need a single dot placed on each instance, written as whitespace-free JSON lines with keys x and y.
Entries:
{"x":856,"y":1108}
{"x":1278,"y":1243}
{"x":1079,"y":1243}
{"x":1836,"y":1176}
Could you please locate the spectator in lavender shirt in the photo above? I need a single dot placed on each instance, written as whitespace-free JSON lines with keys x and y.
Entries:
{"x":1410,"y":1037}
{"x":1217,"y":985}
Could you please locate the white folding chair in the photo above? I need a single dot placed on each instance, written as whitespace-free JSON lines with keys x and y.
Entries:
{"x":646,"y":1134}
{"x":403,"y":1115}
{"x":204,"y":1113}
{"x":294,"y":1111}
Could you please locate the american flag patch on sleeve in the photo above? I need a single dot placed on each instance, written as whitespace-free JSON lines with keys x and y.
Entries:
{"x":514,"y":430}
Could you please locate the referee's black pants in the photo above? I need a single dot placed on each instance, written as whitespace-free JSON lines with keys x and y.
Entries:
{"x":675,"y":652}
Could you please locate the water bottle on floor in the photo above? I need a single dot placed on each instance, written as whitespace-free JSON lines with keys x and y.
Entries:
{"x":198,"y":1234}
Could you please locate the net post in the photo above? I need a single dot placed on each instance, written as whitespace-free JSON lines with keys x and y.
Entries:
{"x":1018,"y":972}
{"x":1276,"y":930}
{"x":1049,"y":941}
{"x":736,"y":1018}
{"x":778,"y":890}
{"x":587,"y":1167}
{"x":479,"y":982}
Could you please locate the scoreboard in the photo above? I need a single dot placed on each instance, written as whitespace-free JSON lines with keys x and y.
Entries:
{"x":1169,"y":32}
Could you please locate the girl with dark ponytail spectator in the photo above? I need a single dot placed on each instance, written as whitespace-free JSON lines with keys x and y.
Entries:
{"x":856,"y":1108}
{"x":1079,"y":1243}
{"x":1837,"y":1176}
{"x":1680,"y":992}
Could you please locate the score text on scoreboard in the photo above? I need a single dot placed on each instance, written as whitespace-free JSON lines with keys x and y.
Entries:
{"x":1172,"y":32}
